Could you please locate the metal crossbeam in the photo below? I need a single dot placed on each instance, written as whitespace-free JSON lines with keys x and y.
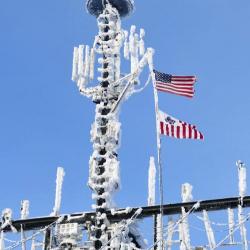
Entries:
{"x":169,"y":209}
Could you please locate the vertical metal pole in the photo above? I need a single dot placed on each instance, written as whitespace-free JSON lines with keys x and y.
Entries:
{"x":155,"y":231}
{"x":151,"y":67}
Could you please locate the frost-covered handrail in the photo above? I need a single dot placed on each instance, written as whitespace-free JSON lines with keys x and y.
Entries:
{"x":194,"y":207}
{"x":18,"y":243}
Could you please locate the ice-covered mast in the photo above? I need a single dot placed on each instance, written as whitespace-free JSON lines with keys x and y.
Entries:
{"x":105,"y":131}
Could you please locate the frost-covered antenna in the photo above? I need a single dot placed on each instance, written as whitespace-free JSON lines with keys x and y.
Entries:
{"x":25,"y":204}
{"x":58,"y":195}
{"x":186,"y":194}
{"x":242,"y":193}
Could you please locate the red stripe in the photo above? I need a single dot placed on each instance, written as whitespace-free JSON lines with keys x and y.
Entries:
{"x":177,"y":93}
{"x":172,"y":130}
{"x":195,"y":134}
{"x":173,"y":80}
{"x":193,"y":77}
{"x":167,"y":130}
{"x":174,"y":86}
{"x":178,"y":132}
{"x":174,"y":89}
{"x":189,"y":131}
{"x":161,"y":128}
{"x":201,"y":136}
{"x":184,"y":130}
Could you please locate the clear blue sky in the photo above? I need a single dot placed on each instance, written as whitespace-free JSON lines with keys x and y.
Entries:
{"x":45,"y":123}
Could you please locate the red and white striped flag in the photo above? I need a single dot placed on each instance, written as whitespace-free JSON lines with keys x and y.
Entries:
{"x":178,"y":85}
{"x":173,"y":127}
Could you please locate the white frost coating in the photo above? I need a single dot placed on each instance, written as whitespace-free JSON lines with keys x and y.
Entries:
{"x":92,"y":64}
{"x":185,"y":229}
{"x":75,"y":64}
{"x":209,"y":231}
{"x":133,"y":48}
{"x":33,"y":244}
{"x":2,"y":247}
{"x":87,"y":62}
{"x":231,"y":224}
{"x":186,"y":192}
{"x":24,"y":209}
{"x":58,"y":196}
{"x":170,"y":232}
{"x":141,"y":43}
{"x":151,"y":182}
{"x":181,"y":237}
{"x":80,"y":61}
{"x":243,"y":231}
{"x":242,"y":179}
{"x":126,"y":45}
{"x":159,"y":232}
{"x":132,"y":38}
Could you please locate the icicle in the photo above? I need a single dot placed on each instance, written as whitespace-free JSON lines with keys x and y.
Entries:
{"x":92,"y":64}
{"x":170,"y":232}
{"x":243,"y":231}
{"x":24,"y":209}
{"x":58,"y":197}
{"x":142,"y":46}
{"x":75,"y":65}
{"x":159,"y":232}
{"x":231,"y":224}
{"x":80,"y":61}
{"x":151,"y":182}
{"x":2,"y":247}
{"x":209,"y":231}
{"x":242,"y":179}
{"x":126,"y":45}
{"x":186,"y":192}
{"x":86,"y":62}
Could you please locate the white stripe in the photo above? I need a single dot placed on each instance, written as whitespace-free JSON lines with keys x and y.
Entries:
{"x":175,"y":131}
{"x":176,"y":92}
{"x":177,"y":85}
{"x":181,"y":131}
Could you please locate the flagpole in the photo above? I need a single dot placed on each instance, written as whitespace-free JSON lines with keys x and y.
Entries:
{"x":151,"y":68}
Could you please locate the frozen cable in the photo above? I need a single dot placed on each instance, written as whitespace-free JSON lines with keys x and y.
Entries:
{"x":194,"y":207}
{"x":33,"y":235}
{"x":142,"y":88}
{"x":235,"y":229}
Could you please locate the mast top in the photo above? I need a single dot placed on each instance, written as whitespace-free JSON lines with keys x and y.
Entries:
{"x":124,"y":7}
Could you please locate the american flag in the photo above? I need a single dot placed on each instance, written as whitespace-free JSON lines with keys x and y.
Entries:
{"x":179,"y":85}
{"x":173,"y":127}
